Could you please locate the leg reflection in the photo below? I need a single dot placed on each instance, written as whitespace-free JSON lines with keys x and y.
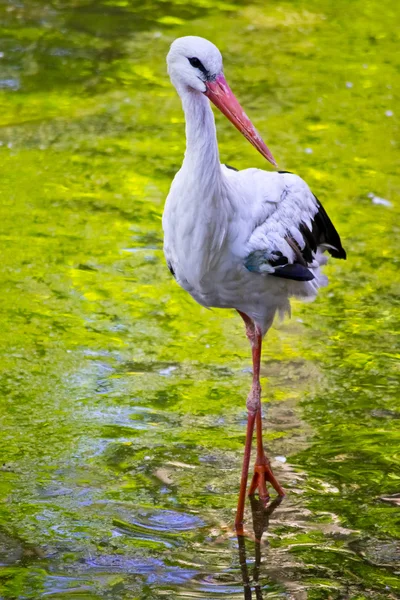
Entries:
{"x":261,"y":515}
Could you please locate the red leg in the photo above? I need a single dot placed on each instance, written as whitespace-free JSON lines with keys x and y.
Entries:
{"x":245,"y":470}
{"x":251,"y":417}
{"x":262,"y":469}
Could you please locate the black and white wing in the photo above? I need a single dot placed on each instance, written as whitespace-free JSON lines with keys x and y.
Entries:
{"x":290,"y":242}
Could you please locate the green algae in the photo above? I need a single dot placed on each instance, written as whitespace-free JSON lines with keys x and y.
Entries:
{"x":122,"y":402}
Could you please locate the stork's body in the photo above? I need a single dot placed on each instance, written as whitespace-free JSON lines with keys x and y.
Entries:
{"x":247,"y":240}
{"x":218,"y":244}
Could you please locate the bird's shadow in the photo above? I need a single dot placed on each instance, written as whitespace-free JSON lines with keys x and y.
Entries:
{"x":260,"y":515}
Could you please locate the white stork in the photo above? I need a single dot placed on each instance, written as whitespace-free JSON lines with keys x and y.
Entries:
{"x":246,"y":240}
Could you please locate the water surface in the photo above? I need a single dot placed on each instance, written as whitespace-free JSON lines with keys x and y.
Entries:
{"x":122,"y":401}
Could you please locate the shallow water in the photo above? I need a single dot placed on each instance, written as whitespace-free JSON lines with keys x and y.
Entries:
{"x":123,"y":402}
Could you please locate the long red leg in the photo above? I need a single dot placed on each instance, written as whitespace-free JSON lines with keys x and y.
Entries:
{"x":245,"y":470}
{"x":252,"y":407}
{"x":262,"y":469}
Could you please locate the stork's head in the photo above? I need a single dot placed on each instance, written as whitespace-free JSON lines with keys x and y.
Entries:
{"x":195,"y":65}
{"x":193,"y":61}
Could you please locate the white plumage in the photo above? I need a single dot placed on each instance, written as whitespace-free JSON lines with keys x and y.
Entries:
{"x":247,"y":240}
{"x":209,"y":237}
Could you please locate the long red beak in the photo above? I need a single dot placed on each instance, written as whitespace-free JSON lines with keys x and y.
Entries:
{"x":221,"y":95}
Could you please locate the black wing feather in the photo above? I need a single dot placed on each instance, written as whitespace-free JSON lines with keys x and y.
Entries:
{"x":325,"y":233}
{"x":171,"y":269}
{"x":295,"y":271}
{"x":322,"y":233}
{"x":310,"y":242}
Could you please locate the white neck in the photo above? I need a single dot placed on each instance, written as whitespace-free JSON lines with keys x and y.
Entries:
{"x":195,"y":219}
{"x":201,"y":160}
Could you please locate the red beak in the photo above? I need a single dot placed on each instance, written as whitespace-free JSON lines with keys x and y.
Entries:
{"x":221,"y":95}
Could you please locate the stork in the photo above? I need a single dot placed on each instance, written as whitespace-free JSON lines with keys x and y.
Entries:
{"x":245,"y":240}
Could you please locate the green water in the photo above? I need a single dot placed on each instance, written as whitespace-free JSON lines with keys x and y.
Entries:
{"x":122,"y":401}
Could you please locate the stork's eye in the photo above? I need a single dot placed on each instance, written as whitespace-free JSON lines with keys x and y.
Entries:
{"x":196,"y":63}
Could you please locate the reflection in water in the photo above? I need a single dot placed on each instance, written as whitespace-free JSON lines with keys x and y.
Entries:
{"x":260,"y":515}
